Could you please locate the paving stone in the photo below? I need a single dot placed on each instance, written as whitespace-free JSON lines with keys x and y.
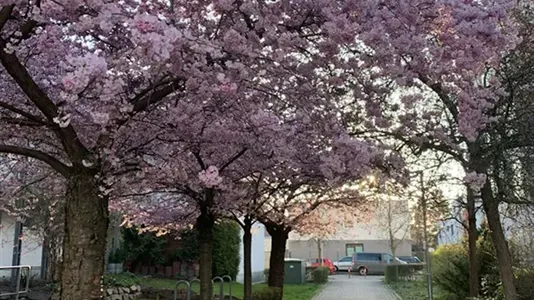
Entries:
{"x":341,"y":287}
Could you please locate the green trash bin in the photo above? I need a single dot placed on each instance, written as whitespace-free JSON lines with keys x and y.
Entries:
{"x":295,"y":271}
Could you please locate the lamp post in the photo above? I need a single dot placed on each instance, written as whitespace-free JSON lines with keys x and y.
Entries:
{"x":425,"y":237}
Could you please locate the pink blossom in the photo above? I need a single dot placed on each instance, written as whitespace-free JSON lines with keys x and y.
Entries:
{"x":475,"y":180}
{"x":210,"y":177}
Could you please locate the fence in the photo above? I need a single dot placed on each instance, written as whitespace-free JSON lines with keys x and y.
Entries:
{"x":189,"y":285}
{"x":17,"y":281}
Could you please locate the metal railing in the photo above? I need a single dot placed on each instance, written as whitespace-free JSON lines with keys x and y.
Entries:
{"x":18,"y":279}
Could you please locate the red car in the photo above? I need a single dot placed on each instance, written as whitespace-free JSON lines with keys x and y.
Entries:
{"x":325,"y":262}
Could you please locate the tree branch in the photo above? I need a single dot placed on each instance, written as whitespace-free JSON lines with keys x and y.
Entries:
{"x":23,"y":113}
{"x":46,"y":158}
{"x":229,"y":162}
{"x":5,"y":13}
{"x":75,"y":150}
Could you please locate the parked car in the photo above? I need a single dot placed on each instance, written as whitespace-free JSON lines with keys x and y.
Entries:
{"x":413,"y":260}
{"x":317,"y":262}
{"x":343,"y":264}
{"x":372,"y":263}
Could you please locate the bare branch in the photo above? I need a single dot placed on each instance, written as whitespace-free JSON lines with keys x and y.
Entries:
{"x":46,"y":158}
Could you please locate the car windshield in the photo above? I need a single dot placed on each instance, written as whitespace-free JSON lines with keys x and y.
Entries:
{"x":409,"y":259}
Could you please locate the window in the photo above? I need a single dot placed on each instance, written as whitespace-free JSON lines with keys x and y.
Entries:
{"x":353,"y":248}
{"x":346,"y":259}
{"x":387,"y":258}
{"x":369,"y":256}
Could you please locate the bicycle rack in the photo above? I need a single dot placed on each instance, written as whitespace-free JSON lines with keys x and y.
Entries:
{"x":221,"y":287}
{"x":229,"y":284}
{"x":189,"y":285}
{"x":188,"y":289}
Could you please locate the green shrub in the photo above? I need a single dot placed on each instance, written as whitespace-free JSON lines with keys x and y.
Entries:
{"x":309,"y":273}
{"x":142,"y":248}
{"x":523,"y":281}
{"x":320,"y":274}
{"x":226,"y":246}
{"x":391,"y":274}
{"x":406,"y":270}
{"x":120,"y":280}
{"x":450,"y":269}
{"x":268,"y":293}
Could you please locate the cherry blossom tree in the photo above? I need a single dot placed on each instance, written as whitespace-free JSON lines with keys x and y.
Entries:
{"x":293,"y":198}
{"x":440,"y":90}
{"x":84,"y":80}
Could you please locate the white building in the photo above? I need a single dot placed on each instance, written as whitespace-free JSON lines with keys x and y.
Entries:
{"x":371,"y":236}
{"x":31,"y":247}
{"x":257,"y":255}
{"x":513,"y":220}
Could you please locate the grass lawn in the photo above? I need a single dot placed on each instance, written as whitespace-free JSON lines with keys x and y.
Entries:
{"x":415,"y":290}
{"x":291,"y":292}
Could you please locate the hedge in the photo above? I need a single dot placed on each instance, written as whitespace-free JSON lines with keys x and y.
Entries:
{"x":320,"y":275}
{"x":226,"y":246}
{"x":394,"y":273}
{"x":391,"y":274}
{"x":269,"y":293}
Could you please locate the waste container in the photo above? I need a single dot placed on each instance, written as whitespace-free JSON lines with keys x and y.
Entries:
{"x":295,"y":271}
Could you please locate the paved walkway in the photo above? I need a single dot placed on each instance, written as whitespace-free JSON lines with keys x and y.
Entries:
{"x":341,"y":287}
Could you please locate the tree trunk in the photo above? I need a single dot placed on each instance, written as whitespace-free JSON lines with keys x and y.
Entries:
{"x":472,"y":236}
{"x":279,"y":235}
{"x":247,"y":257}
{"x":320,"y":251}
{"x":205,"y":224}
{"x":504,"y":257}
{"x":84,"y":244}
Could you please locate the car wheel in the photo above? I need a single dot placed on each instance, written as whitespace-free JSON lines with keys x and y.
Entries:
{"x":336,"y":269}
{"x":362,"y":271}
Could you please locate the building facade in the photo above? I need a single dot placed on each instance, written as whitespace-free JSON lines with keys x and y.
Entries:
{"x":373,"y":236}
{"x":31,"y":250}
{"x":257,"y":257}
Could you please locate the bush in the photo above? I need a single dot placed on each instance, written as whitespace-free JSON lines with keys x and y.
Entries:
{"x":320,"y":274}
{"x":523,"y":280}
{"x":391,"y":274}
{"x":450,"y":268}
{"x":269,"y":293}
{"x":309,"y":273}
{"x":226,"y":246}
{"x":395,"y":272}
{"x":120,"y":280}
{"x":406,"y":270}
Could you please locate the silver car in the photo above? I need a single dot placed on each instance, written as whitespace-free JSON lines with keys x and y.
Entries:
{"x":343,"y":264}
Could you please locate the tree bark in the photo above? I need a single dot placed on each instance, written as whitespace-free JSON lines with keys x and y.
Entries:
{"x":320,"y":251}
{"x":247,"y":257}
{"x":279,"y":235}
{"x":84,"y":244}
{"x":504,"y":257}
{"x":205,"y":224}
{"x":472,"y":236}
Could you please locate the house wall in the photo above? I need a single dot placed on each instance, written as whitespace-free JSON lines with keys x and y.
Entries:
{"x":257,"y":257}
{"x":32,"y":251}
{"x":336,"y":249}
{"x":452,"y":232}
